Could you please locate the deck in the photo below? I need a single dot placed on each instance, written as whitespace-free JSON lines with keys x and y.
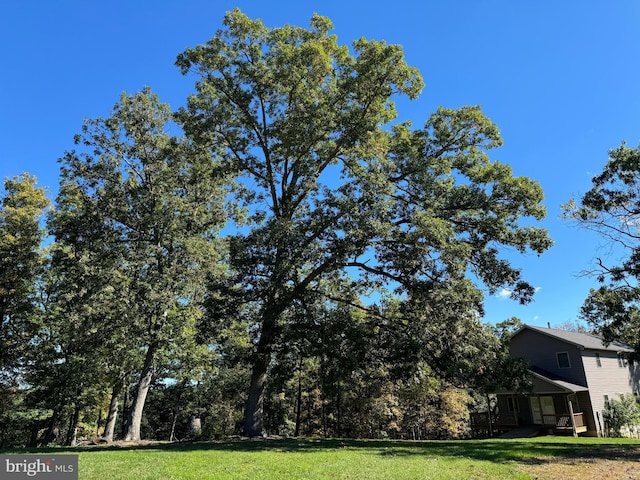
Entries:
{"x":560,"y":423}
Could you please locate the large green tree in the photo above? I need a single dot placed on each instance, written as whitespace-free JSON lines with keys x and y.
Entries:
{"x":85,"y":348}
{"x":611,"y":208}
{"x":22,"y":263}
{"x":297,"y":123}
{"x":139,"y":209}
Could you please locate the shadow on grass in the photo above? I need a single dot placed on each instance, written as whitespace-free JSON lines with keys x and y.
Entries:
{"x":534,"y":451}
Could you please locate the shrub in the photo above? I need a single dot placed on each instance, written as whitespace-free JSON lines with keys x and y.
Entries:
{"x":621,"y":414}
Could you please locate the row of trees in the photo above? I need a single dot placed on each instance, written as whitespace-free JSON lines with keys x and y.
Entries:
{"x":83,"y":343}
{"x":274,"y":257}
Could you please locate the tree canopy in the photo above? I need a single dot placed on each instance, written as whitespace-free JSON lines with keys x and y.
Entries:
{"x":21,"y":263}
{"x":338,"y":202}
{"x":278,"y":255}
{"x":140,"y":209}
{"x":611,"y":208}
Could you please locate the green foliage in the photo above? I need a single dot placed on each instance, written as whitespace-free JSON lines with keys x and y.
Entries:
{"x":169,"y":410}
{"x":288,"y":111}
{"x":21,"y":262}
{"x":341,"y":298}
{"x":610,"y":208}
{"x":135,"y":229}
{"x":504,"y":330}
{"x":221,"y":399}
{"x":621,"y":413}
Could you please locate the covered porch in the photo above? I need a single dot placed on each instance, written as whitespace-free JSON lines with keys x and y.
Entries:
{"x":553,"y":405}
{"x":558,"y":423}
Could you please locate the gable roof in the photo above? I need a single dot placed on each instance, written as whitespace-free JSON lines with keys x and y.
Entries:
{"x":556,"y":381}
{"x":580,"y":340}
{"x":547,"y":383}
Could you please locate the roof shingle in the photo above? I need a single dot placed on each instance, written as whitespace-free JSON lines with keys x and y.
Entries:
{"x":582,"y":340}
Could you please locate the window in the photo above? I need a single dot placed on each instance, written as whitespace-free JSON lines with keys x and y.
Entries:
{"x":606,"y":400}
{"x":622,"y":360}
{"x":512,"y":404}
{"x":598,"y":362}
{"x":563,"y":360}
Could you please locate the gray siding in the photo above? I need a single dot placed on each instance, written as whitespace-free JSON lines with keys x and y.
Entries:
{"x":540,"y":350}
{"x":609,"y":379}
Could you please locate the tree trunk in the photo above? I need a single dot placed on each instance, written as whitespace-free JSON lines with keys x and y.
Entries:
{"x":489,"y":415}
{"x":51,"y":435}
{"x":72,"y":433}
{"x":253,"y":414}
{"x":135,"y":414}
{"x":98,"y":422}
{"x":324,"y":416}
{"x":299,"y":400}
{"x":112,"y":416}
{"x":125,"y":408}
{"x":35,"y":428}
{"x":253,"y":417}
{"x":338,"y":411}
{"x":172,"y":435}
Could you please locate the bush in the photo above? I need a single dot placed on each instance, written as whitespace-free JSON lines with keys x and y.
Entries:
{"x":621,"y":415}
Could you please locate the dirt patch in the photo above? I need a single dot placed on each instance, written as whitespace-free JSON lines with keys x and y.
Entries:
{"x":585,"y":469}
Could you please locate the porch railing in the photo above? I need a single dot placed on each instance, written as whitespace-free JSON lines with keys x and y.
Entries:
{"x":561,"y":422}
{"x":480,"y":420}
{"x":579,"y":420}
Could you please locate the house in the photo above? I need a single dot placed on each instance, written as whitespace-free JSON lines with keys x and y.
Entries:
{"x":573,"y":376}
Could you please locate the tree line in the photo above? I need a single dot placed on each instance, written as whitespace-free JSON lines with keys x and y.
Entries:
{"x":278,"y":256}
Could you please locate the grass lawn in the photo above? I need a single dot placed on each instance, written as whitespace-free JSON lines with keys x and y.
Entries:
{"x":542,"y":457}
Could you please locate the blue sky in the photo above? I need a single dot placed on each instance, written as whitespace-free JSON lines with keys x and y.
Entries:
{"x":560,"y":79}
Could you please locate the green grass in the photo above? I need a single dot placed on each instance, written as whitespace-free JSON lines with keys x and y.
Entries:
{"x":340,"y":459}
